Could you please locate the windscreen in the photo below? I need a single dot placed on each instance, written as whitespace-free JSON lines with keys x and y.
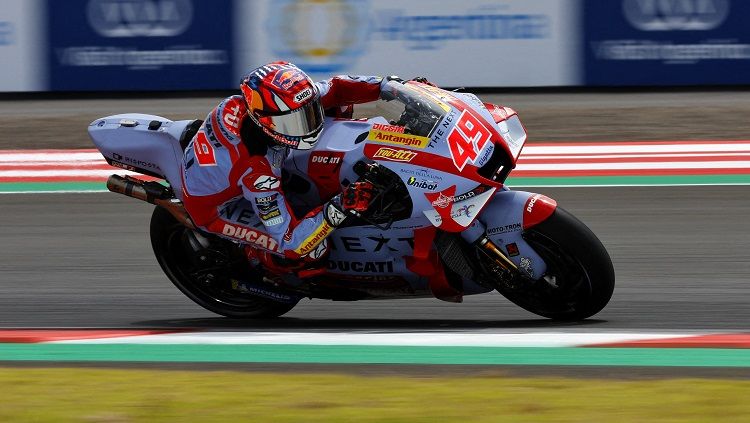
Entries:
{"x":404,"y":105}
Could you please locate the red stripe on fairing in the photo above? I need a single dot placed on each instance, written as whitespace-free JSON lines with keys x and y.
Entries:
{"x":528,"y":159}
{"x":447,"y":223}
{"x":633,"y":159}
{"x":728,"y":340}
{"x":520,"y":173}
{"x":534,"y":144}
{"x":431,"y":161}
{"x":30,"y":336}
{"x":61,"y":166}
{"x":84,"y":150}
{"x":15,"y":179}
{"x":599,"y":143}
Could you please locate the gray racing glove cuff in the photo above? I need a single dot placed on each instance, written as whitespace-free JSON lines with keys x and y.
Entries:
{"x":334,"y":213}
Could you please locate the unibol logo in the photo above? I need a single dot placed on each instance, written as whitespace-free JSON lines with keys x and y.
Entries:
{"x":140,"y":18}
{"x":675,"y":15}
{"x":423,"y":184}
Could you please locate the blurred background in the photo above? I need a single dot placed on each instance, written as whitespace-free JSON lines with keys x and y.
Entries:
{"x":174,"y":45}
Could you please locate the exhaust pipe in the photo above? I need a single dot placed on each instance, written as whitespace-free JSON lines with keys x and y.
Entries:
{"x":150,"y":192}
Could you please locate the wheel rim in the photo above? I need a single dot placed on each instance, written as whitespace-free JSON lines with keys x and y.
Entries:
{"x":564,"y":289}
{"x":218,"y":292}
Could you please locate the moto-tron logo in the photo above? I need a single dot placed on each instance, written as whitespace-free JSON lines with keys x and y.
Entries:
{"x":140,"y":18}
{"x":675,"y":15}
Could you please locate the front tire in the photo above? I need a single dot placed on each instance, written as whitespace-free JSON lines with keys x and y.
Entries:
{"x":580,"y":278}
{"x":175,"y":255}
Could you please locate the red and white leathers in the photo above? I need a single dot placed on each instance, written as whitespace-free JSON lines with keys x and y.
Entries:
{"x":225,"y":184}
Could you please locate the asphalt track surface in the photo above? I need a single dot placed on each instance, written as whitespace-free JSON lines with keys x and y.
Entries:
{"x":681,"y":256}
{"x":61,"y":123}
{"x":680,"y":253}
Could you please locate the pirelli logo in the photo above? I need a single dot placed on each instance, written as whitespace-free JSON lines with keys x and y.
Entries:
{"x":394,"y":155}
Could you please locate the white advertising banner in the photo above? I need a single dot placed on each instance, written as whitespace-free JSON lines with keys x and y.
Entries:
{"x":454,"y":43}
{"x":21,"y":46}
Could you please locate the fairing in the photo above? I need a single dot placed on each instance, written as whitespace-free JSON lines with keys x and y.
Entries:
{"x":142,"y":143}
{"x":453,"y":168}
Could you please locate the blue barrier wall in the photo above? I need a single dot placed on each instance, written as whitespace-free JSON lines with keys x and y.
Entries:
{"x":139,"y":45}
{"x":121,"y":45}
{"x":478,"y":43}
{"x":666,"y":42}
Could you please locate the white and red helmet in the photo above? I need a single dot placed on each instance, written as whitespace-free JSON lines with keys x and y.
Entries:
{"x":285,"y":103}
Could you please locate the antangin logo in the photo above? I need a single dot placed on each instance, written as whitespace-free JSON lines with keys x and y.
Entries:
{"x":407,"y":140}
{"x":314,"y":239}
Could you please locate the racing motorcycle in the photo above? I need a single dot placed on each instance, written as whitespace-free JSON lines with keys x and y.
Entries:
{"x":443,"y":223}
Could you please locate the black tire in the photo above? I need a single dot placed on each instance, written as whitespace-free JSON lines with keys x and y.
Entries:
{"x":168,"y":239}
{"x":584,"y":278}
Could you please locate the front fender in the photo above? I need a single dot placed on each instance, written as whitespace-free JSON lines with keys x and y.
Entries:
{"x":508,"y":214}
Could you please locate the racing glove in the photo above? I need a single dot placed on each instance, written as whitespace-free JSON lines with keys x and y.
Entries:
{"x":357,"y":196}
{"x":354,"y":201}
{"x":420,"y":79}
{"x":423,"y":80}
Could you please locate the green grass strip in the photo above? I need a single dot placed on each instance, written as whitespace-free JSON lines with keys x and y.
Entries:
{"x":368,"y":354}
{"x":536,"y":182}
{"x":52,"y":186}
{"x":158,"y":396}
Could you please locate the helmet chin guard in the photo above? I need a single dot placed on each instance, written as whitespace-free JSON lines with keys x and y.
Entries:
{"x":305,"y":142}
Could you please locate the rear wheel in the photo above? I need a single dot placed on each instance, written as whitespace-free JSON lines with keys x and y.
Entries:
{"x":208,"y":276}
{"x":579,"y":280}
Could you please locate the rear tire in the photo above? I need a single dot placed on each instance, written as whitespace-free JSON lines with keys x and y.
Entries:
{"x":580,"y":278}
{"x":173,"y":252}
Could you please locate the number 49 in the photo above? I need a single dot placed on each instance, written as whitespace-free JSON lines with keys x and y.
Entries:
{"x":467,"y":139}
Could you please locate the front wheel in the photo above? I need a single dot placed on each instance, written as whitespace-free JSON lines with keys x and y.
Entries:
{"x":208,"y":276}
{"x":579,"y":280}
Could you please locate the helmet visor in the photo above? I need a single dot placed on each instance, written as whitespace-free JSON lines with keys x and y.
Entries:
{"x":300,"y":122}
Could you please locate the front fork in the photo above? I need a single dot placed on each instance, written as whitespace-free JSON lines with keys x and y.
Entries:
{"x":476,"y":234}
{"x":499,"y":232}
